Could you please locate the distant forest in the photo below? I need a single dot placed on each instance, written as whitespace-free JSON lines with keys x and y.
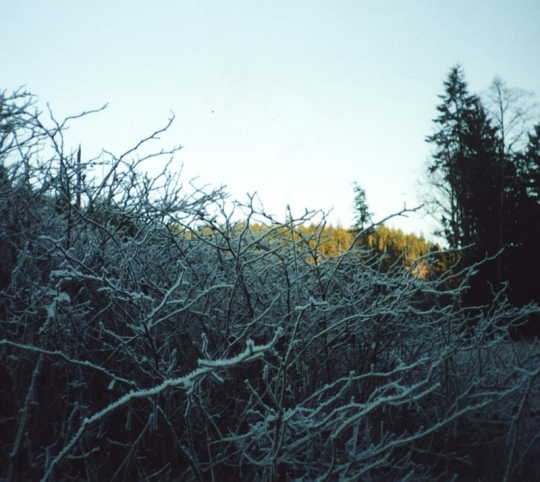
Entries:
{"x":154,"y":330}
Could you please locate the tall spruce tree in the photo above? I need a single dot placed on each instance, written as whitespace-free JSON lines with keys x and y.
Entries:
{"x":461,"y":168}
{"x":449,"y":153}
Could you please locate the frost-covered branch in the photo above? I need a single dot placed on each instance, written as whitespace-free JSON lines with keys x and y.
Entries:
{"x":185,"y":383}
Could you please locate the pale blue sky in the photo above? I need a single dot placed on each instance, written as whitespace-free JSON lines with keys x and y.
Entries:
{"x":292,"y":99}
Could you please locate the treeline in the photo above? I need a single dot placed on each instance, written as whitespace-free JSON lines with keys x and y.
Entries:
{"x":485,"y":177}
{"x":393,"y":247}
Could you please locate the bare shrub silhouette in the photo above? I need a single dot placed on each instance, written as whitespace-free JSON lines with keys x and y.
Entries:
{"x":148,"y":333}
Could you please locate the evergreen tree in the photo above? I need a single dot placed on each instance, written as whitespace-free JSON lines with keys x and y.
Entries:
{"x":362,"y":215}
{"x":446,"y":167}
{"x":463,"y":166}
{"x":464,"y":170}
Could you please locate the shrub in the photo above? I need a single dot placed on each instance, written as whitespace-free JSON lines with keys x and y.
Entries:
{"x":148,"y":333}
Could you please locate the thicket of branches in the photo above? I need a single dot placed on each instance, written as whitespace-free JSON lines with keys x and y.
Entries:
{"x":144,"y":336}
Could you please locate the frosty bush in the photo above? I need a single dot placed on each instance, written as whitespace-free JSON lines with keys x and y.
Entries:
{"x":152,"y":331}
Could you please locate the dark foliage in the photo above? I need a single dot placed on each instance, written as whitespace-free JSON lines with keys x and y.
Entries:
{"x":488,"y":197}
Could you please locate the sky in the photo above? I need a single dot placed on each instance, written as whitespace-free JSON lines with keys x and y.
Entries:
{"x":294,"y":100}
